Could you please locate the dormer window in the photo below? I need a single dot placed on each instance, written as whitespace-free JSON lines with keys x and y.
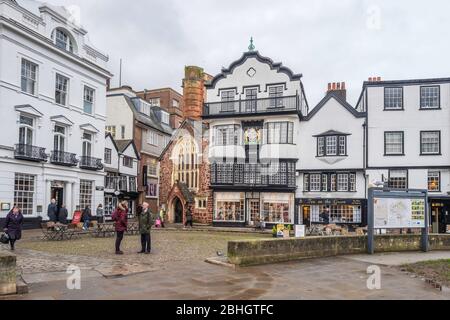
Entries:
{"x":165,"y":118}
{"x":63,"y":40}
{"x":332,"y":144}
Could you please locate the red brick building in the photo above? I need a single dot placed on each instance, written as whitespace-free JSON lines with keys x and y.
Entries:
{"x":167,"y":99}
{"x":184,"y":167}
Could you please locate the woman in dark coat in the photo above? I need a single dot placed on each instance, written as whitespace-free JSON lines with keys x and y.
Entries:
{"x":13,"y":226}
{"x":120,"y":218}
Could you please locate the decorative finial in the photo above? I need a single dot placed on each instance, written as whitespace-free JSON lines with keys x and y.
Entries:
{"x":251,"y":47}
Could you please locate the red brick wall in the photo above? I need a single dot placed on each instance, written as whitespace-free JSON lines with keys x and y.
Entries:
{"x":166,"y":187}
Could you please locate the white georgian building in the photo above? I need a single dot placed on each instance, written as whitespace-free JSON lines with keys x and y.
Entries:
{"x":331,"y":175}
{"x":253,"y":110}
{"x":408,"y":134}
{"x":53,"y":102}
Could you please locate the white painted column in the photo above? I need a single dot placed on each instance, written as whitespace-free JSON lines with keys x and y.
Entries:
{"x":48,"y":196}
{"x":68,"y":199}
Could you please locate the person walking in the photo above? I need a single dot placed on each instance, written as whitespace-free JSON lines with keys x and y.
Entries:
{"x":189,"y":217}
{"x":52,"y":211}
{"x":63,"y":214}
{"x":87,"y":215}
{"x":13,"y":226}
{"x":162,"y":216}
{"x":100,"y":213}
{"x":120,"y":218}
{"x":146,"y":220}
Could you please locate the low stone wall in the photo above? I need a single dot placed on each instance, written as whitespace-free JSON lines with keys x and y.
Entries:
{"x":7,"y":273}
{"x":264,"y":251}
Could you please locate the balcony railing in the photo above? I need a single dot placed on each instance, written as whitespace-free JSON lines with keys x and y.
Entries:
{"x":251,"y":107}
{"x":90,"y":163}
{"x":64,"y":158}
{"x":280,"y":174}
{"x":30,"y":153}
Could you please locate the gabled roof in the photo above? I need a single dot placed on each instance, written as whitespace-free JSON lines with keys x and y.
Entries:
{"x":108,"y":135}
{"x":345,"y":104}
{"x":123,"y":145}
{"x":186,"y":124}
{"x":187,"y":194}
{"x":278,"y":66}
{"x":332,"y":133}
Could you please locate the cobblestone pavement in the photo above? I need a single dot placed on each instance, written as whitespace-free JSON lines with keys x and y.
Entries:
{"x":176,"y":271}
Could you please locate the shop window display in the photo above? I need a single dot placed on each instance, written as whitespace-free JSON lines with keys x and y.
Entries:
{"x":230,"y":211}
{"x":276,"y":212}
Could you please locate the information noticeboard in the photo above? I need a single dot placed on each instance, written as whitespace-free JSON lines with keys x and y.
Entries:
{"x":392,"y":213}
{"x":397,"y":209}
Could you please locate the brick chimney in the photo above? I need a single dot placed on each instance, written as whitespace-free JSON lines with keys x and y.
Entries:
{"x":338,"y":88}
{"x":194,"y":92}
{"x":374,"y":79}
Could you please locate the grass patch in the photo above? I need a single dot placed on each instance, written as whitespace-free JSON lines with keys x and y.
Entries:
{"x":437,"y":270}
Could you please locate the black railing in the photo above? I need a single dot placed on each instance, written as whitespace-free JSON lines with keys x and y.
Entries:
{"x":265,"y":105}
{"x":90,"y":163}
{"x":64,"y":158}
{"x":31,"y":153}
{"x":280,"y":174}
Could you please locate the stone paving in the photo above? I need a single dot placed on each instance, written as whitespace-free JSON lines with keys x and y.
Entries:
{"x":176,"y":271}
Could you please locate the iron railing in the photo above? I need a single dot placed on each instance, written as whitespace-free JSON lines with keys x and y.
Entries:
{"x":249,"y":107}
{"x":280,"y":174}
{"x":90,"y":163}
{"x":29,"y":152}
{"x":64,"y":158}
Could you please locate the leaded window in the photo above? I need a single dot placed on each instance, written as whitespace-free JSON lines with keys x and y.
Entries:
{"x":434,"y":181}
{"x":398,"y":179}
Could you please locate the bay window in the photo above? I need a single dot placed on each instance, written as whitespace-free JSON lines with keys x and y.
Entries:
{"x":279,"y":133}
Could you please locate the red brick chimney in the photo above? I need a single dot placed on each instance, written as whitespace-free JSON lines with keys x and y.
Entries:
{"x":194,"y":92}
{"x":338,"y":88}
{"x":374,"y":79}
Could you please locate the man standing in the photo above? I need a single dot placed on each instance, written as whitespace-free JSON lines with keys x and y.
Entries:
{"x":52,"y":211}
{"x":146,"y":220}
{"x":325,"y":216}
{"x":86,"y":217}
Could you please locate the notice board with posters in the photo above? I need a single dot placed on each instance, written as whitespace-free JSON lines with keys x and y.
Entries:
{"x":397,"y":209}
{"x":392,"y":213}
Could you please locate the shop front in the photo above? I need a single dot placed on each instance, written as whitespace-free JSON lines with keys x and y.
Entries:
{"x":245,"y":209}
{"x":341,"y":211}
{"x":440,"y":216}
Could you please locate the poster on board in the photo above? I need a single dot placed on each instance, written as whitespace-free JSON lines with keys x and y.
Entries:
{"x":392,"y":213}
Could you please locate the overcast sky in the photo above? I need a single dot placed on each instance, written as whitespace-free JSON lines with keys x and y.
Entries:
{"x":325,"y":40}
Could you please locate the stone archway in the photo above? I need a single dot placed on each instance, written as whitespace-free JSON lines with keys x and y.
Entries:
{"x":176,"y":210}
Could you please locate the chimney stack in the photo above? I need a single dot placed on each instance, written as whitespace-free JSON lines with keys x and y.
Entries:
{"x":338,"y":88}
{"x":194,"y":92}
{"x":374,"y":79}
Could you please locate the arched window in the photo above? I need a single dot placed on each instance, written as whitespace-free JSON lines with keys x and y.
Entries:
{"x":63,"y":40}
{"x":186,"y":166}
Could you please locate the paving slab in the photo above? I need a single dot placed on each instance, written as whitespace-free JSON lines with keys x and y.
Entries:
{"x":398,"y":259}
